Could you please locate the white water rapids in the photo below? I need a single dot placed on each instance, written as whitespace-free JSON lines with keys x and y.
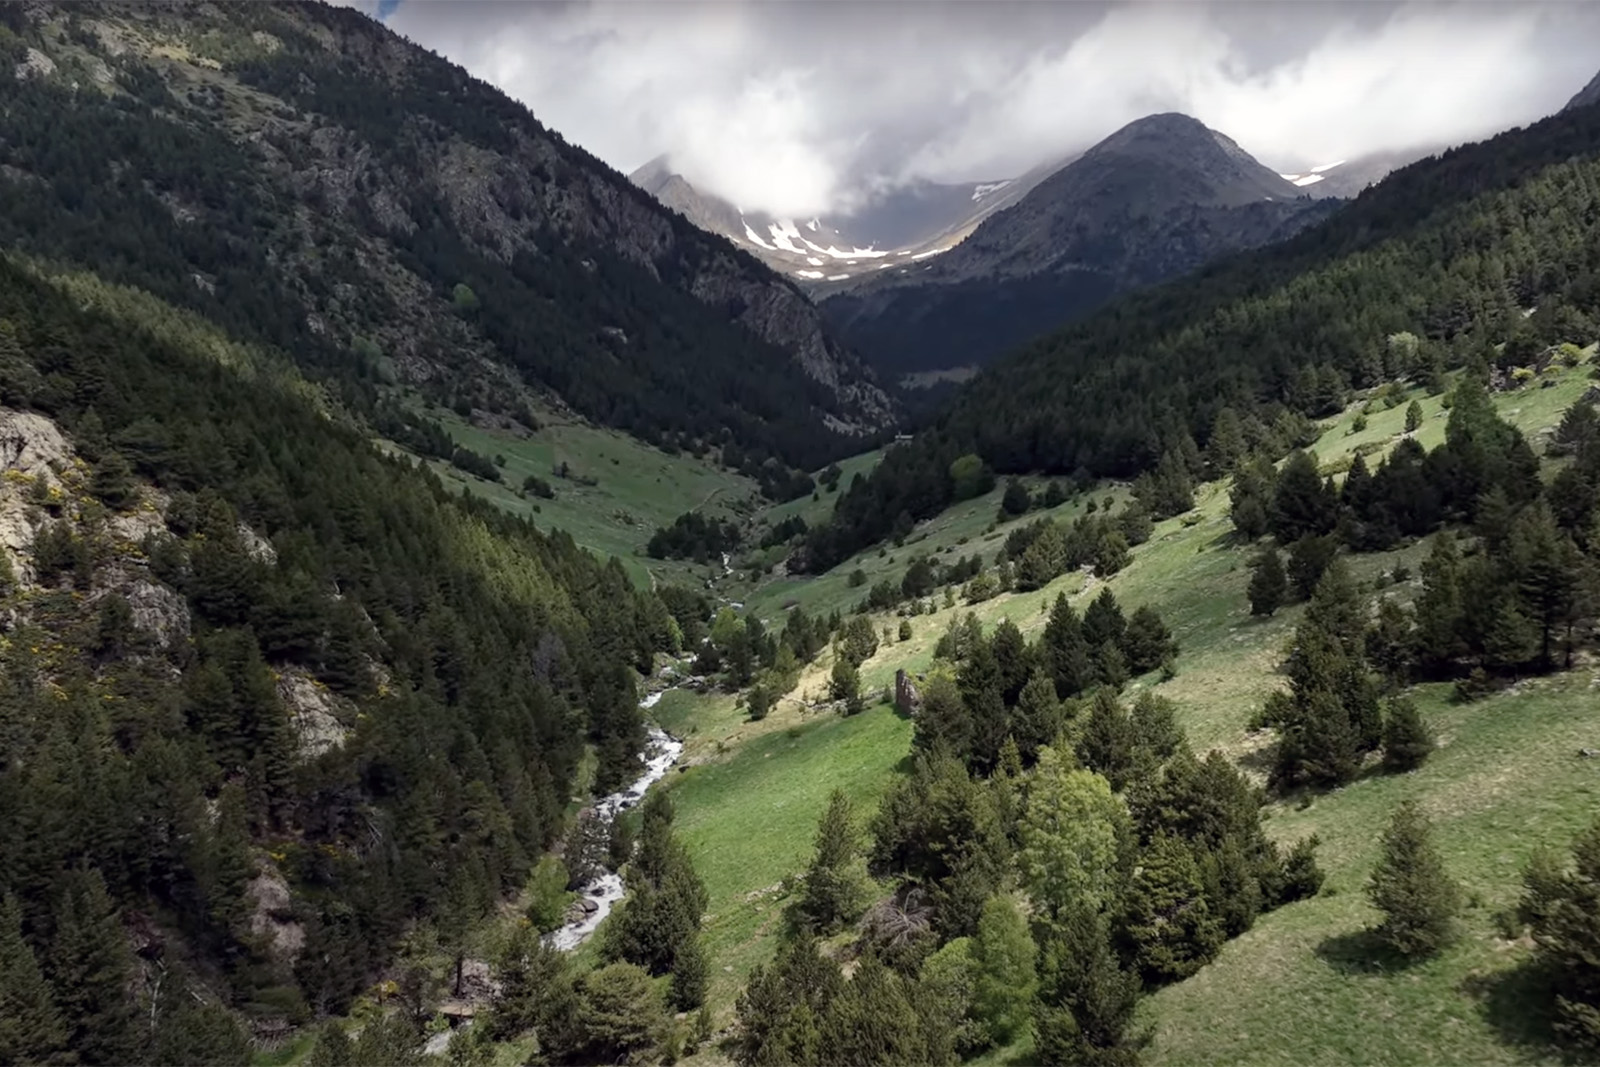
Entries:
{"x":661,"y":752}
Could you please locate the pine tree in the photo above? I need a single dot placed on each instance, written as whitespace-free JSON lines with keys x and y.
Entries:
{"x":1083,"y":1013}
{"x":782,"y":1006}
{"x":1269,"y":585}
{"x":1250,"y":497}
{"x":1003,"y":957}
{"x":832,"y":894}
{"x":1065,"y":651}
{"x":90,"y":965}
{"x":1166,"y":921}
{"x":31,"y":1030}
{"x":1147,"y":642}
{"x":618,"y":1018}
{"x":1104,"y":620}
{"x":1413,"y":417}
{"x":1562,"y":908}
{"x":1037,"y":718}
{"x":1309,"y":559}
{"x":1411,"y":887}
{"x":844,"y":685}
{"x":1438,"y":607}
{"x":1407,"y":740}
{"x":1301,"y":505}
{"x":1107,"y":744}
{"x":691,"y":973}
{"x":872,"y":1020}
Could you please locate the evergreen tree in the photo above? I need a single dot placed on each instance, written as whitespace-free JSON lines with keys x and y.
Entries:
{"x":832,"y":891}
{"x":89,"y":965}
{"x":1407,"y":740}
{"x":782,"y":1005}
{"x":943,"y":718}
{"x":1250,"y":498}
{"x":1108,"y":739}
{"x":1084,"y":1010}
{"x":1562,"y":906}
{"x":1147,"y":642}
{"x":1413,"y":417}
{"x":1166,"y":922}
{"x":1065,"y":651}
{"x":1103,"y":621}
{"x":618,"y":1017}
{"x":1438,"y":607}
{"x":1309,"y":558}
{"x":1227,"y":445}
{"x":1302,"y":877}
{"x":529,"y":972}
{"x":981,"y":683}
{"x":873,"y":1020}
{"x":844,"y":685}
{"x":1411,"y":887}
{"x":1038,"y":717}
{"x":1301,"y":505}
{"x":31,"y":1030}
{"x":1269,"y":585}
{"x":1391,"y":642}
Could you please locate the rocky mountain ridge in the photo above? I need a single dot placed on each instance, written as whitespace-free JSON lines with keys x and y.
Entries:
{"x":418,"y":216}
{"x":1159,"y":197}
{"x":894,"y":232}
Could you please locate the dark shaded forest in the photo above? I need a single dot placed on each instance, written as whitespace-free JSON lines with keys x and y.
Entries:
{"x":150,"y":781}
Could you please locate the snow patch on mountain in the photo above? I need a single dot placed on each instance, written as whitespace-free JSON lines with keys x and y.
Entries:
{"x":1312,"y":176}
{"x":983,"y":189}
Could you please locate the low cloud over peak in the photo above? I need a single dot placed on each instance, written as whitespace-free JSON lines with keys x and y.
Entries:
{"x":807,"y":106}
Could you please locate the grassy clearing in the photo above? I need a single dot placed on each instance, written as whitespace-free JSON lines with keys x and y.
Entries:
{"x":1304,"y":985}
{"x":748,"y":818}
{"x":639,"y":487}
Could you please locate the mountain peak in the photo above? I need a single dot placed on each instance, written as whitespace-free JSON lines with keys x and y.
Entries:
{"x":1588,"y":96}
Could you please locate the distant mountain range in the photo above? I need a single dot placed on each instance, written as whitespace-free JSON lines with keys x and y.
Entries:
{"x":909,"y":225}
{"x":1157,"y":198}
{"x":933,"y":278}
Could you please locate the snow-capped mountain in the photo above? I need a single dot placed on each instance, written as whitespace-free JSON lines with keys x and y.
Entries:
{"x":909,"y":225}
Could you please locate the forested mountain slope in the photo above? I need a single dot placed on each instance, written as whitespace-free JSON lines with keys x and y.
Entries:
{"x":267,"y":695}
{"x":1494,"y":240}
{"x":304,"y":177}
{"x":1157,"y":198}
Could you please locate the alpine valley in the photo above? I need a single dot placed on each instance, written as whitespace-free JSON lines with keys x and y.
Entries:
{"x":462,"y":604}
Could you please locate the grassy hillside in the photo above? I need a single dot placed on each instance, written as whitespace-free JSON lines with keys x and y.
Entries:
{"x":1505,"y":778}
{"x":637,"y":488}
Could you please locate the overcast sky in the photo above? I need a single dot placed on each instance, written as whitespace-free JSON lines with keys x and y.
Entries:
{"x":801,"y":107}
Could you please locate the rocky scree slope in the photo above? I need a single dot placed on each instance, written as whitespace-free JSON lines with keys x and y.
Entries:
{"x":373,"y":208}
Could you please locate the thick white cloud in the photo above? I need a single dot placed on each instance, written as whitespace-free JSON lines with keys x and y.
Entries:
{"x":805,"y":107}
